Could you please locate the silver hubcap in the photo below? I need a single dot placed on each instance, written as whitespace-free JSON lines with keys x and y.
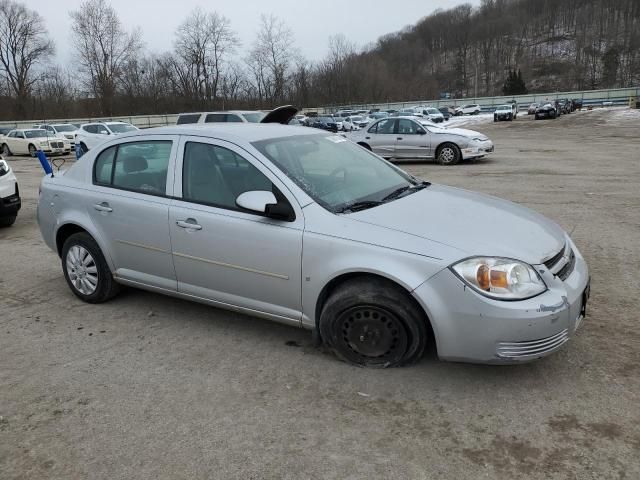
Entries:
{"x":447,"y":155}
{"x":82,"y":270}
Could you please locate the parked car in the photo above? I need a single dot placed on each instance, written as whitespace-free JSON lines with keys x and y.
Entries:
{"x":503,"y":112}
{"x":4,"y":131}
{"x":10,"y":202}
{"x":473,"y":109}
{"x":354,"y":122}
{"x":576,"y":104}
{"x":325,"y":123}
{"x":514,"y":108}
{"x":532,"y":108}
{"x":377,"y":115}
{"x":66,"y":130}
{"x":564,"y":106}
{"x":238,"y":116}
{"x":91,"y":135}
{"x":432,"y":114}
{"x":447,"y":112}
{"x":410,"y":137}
{"x":27,"y":141}
{"x":390,"y":263}
{"x":546,"y":111}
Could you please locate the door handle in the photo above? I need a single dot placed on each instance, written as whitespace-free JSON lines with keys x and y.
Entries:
{"x":103,"y":207}
{"x":189,"y":223}
{"x":367,"y":138}
{"x":399,"y":138}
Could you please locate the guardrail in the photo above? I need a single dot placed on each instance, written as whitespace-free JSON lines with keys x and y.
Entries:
{"x":617,"y":96}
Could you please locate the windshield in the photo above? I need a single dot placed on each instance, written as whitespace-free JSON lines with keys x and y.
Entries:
{"x":254,"y":117}
{"x":65,"y":128}
{"x":333,"y":171}
{"x":35,"y":133}
{"x":357,"y":119}
{"x":121,"y":127}
{"x":504,"y":107}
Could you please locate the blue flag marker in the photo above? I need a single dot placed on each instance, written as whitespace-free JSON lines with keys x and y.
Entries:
{"x":45,"y":163}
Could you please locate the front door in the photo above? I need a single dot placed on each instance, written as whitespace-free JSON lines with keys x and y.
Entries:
{"x":409,"y":142}
{"x":129,"y":205}
{"x":223,"y":253}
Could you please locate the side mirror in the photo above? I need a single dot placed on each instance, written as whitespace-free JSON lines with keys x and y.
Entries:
{"x":103,"y":132}
{"x":262,"y":201}
{"x":421,"y":131}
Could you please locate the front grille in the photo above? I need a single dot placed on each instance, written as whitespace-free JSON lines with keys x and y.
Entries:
{"x":533,"y":348}
{"x":565,"y":271}
{"x":56,"y":144}
{"x":554,"y":260}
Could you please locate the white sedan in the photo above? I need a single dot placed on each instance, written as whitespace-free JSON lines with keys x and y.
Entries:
{"x":91,"y":135}
{"x":29,"y":141}
{"x":9,"y":195}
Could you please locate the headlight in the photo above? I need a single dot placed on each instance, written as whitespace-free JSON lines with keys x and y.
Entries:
{"x":500,"y":278}
{"x":44,"y":144}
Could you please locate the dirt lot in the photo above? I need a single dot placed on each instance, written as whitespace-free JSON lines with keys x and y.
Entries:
{"x":152,"y":387}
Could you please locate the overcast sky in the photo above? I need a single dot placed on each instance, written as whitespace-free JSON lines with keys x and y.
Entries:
{"x":312,"y":22}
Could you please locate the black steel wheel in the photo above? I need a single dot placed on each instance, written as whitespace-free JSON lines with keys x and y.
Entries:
{"x":372,"y":322}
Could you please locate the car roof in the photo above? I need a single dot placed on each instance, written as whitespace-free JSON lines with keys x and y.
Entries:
{"x":233,"y":132}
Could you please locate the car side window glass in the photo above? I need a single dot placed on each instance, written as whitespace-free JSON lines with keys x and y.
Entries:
{"x":233,"y":118}
{"x":214,"y":118}
{"x":187,"y":119}
{"x":386,"y":126}
{"x":103,"y":166}
{"x":142,"y":166}
{"x":407,"y":127}
{"x":216,"y":176}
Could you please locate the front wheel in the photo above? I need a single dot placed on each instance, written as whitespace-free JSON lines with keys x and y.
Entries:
{"x":5,"y":150}
{"x":371,"y":322}
{"x":86,"y":269}
{"x":448,"y":154}
{"x":32,"y":150}
{"x":83,"y":147}
{"x":7,"y":221}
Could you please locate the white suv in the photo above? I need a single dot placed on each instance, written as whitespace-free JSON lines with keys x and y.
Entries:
{"x":9,"y":195}
{"x":91,"y":135}
{"x":237,"y":116}
{"x":472,"y":109}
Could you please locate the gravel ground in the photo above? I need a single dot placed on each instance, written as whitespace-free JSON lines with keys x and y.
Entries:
{"x":153,"y":387}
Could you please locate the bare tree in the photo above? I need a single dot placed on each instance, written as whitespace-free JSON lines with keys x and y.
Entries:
{"x":23,"y":45}
{"x":271,"y":58}
{"x":104,"y":48}
{"x":204,"y":41}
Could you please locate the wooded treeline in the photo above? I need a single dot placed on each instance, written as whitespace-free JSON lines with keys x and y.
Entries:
{"x":558,"y":45}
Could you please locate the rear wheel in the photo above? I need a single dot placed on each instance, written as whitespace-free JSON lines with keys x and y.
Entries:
{"x":371,"y":322}
{"x":448,"y":154}
{"x":86,"y":269}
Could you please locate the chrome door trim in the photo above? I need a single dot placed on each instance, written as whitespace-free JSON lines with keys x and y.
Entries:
{"x":230,"y":265}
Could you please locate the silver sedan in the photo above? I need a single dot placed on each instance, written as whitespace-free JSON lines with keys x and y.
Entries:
{"x":307,"y":228}
{"x":411,"y":137}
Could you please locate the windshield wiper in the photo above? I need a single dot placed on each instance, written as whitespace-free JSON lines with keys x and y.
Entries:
{"x":357,"y":206}
{"x":407,"y":188}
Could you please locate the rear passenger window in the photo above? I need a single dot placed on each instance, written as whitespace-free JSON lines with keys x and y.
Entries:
{"x":137,"y":166}
{"x":103,"y":166}
{"x":186,"y":119}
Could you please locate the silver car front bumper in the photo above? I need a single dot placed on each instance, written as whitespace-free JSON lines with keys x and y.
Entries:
{"x":472,"y":328}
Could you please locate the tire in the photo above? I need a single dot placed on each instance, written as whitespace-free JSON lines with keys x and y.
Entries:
{"x":83,"y":147}
{"x":495,"y":119}
{"x":371,"y":322}
{"x":448,"y":154}
{"x":5,"y":150}
{"x":7,"y":221}
{"x":90,"y":280}
{"x":365,"y":145}
{"x":33,"y":151}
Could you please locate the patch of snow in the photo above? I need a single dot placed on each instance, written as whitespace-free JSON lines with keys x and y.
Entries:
{"x":465,"y":120}
{"x":622,"y":115}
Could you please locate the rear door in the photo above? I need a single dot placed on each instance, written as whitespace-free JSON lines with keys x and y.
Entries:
{"x":381,"y":137}
{"x":129,"y":205}
{"x":223,"y":253}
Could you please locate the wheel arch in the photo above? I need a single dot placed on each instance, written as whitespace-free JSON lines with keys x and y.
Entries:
{"x":341,"y":278}
{"x":68,"y":228}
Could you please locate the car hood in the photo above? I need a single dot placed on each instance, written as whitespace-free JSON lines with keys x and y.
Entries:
{"x":474,"y":223}
{"x":462,"y":132}
{"x":280,"y":115}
